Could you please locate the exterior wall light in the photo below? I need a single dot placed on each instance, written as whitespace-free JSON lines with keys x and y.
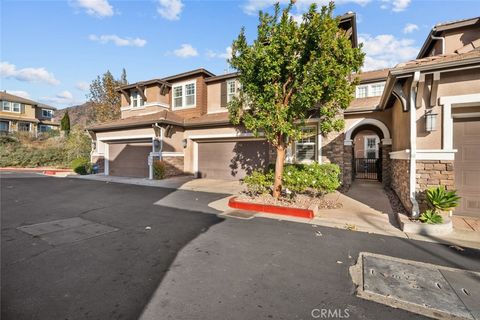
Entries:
{"x":184,"y":143}
{"x":156,"y":145}
{"x":430,"y":121}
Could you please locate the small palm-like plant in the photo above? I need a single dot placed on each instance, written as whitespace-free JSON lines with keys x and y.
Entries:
{"x":431,"y":217}
{"x":440,"y":199}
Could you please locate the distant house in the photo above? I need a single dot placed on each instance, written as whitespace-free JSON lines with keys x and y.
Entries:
{"x":20,"y":114}
{"x":412,"y":127}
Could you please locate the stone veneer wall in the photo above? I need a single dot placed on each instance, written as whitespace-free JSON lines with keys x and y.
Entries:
{"x":333,"y":152}
{"x":100,"y":161}
{"x":386,"y":166}
{"x":174,"y":166}
{"x":400,"y":173}
{"x":433,"y":173}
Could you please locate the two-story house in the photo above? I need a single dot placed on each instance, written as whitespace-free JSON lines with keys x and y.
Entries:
{"x":25,"y":115}
{"x":419,"y":122}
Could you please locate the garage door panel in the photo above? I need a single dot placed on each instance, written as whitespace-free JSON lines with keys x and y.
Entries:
{"x":129,"y":160}
{"x":231,"y":159}
{"x":466,"y":140}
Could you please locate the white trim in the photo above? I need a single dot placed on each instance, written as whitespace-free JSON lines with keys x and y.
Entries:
{"x":172,"y":154}
{"x":413,"y":145}
{"x":453,"y":101}
{"x":126,"y":137}
{"x":195,"y":159}
{"x":150,"y":104}
{"x":364,"y":121}
{"x":386,"y":142}
{"x":365,"y":145}
{"x":369,"y":87}
{"x":466,"y":115}
{"x":217,"y":111}
{"x":184,"y":95}
{"x":425,"y":154}
{"x":106,"y":156}
{"x":223,"y":135}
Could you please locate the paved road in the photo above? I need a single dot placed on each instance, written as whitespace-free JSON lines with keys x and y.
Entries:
{"x":189,"y":265}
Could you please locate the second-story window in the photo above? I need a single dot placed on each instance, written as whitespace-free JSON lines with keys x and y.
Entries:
{"x":46,"y":113}
{"x":362,"y":91}
{"x":136,"y":99}
{"x":184,"y":95}
{"x":377,"y":90}
{"x":11,"y":106}
{"x":231,"y":90}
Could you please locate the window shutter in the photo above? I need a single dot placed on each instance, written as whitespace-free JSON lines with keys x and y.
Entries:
{"x":223,"y":95}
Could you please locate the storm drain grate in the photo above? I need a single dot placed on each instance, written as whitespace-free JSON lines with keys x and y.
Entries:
{"x":431,"y":290}
{"x":66,"y":230}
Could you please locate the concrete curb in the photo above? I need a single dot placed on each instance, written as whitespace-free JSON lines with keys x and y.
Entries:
{"x":425,"y":229}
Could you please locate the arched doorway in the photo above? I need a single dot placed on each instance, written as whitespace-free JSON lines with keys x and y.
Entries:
{"x":367,"y":147}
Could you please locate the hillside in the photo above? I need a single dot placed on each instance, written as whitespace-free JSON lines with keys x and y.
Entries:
{"x":79,"y":115}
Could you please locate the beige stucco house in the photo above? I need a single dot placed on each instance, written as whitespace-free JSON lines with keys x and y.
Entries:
{"x":412,"y":127}
{"x":25,"y":115}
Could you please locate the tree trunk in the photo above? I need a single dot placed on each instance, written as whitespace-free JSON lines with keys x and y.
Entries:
{"x":277,"y":185}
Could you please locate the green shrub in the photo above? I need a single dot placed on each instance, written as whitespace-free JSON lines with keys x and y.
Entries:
{"x":440,"y":199}
{"x":431,"y":217}
{"x":259,"y":182}
{"x":81,"y":166}
{"x":298,"y":178}
{"x":159,"y":170}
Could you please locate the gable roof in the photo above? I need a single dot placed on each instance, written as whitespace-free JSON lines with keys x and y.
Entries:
{"x":372,"y":76}
{"x":189,"y":73}
{"x":441,"y":27}
{"x":13,"y":98}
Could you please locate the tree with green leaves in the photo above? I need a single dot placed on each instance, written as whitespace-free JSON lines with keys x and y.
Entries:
{"x":290,"y":73}
{"x":65,"y":123}
{"x":105,"y":98}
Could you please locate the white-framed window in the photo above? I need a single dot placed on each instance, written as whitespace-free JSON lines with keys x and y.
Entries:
{"x":4,"y":126}
{"x":306,"y":147}
{"x":184,"y":95}
{"x":47,"y":113}
{"x":377,"y":90}
{"x":136,"y":99}
{"x":44,"y":128}
{"x":231,"y":89}
{"x":23,"y":126}
{"x":362,"y":91}
{"x":11,"y":106}
{"x":371,"y":147}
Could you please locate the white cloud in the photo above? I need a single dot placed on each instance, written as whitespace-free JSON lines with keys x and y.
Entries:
{"x":185,"y":51}
{"x":121,"y":42}
{"x":395,"y":5}
{"x":62,"y":98}
{"x":82,"y":86}
{"x":20,"y":93}
{"x":252,"y":7}
{"x":97,"y":8}
{"x":385,"y":51}
{"x":8,"y":70}
{"x":170,"y":9}
{"x":410,"y":27}
{"x":223,"y":55}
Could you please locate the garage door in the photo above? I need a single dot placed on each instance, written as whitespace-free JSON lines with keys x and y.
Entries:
{"x":231,"y":160}
{"x":466,"y":139}
{"x":129,"y":160}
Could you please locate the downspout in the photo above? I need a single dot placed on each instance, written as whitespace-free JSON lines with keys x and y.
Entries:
{"x":150,"y":162}
{"x":413,"y":144}
{"x":441,"y":39}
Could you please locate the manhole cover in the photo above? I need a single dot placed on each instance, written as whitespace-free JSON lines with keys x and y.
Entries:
{"x":66,"y":230}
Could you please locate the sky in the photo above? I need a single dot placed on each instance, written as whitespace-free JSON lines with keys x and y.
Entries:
{"x":50,"y":51}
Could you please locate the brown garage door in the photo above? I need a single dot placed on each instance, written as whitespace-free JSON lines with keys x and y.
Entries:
{"x":466,"y":139}
{"x":231,"y":160}
{"x":129,"y":160}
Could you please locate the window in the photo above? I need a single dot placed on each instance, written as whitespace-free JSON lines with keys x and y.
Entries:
{"x":44,"y":128}
{"x":11,"y":106}
{"x":23,"y":126}
{"x":178,"y":97}
{"x":377,"y":90}
{"x":362,"y":92}
{"x":231,"y":90}
{"x":184,"y":95}
{"x":305,"y":147}
{"x":190,"y":94}
{"x":371,"y":147}
{"x":47,"y":113}
{"x":136,"y":99}
{"x":4,"y":126}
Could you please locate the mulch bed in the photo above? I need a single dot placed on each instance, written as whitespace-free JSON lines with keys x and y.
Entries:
{"x":298,"y":201}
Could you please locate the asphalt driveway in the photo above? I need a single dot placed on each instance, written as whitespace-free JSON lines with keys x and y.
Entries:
{"x":161,"y":262}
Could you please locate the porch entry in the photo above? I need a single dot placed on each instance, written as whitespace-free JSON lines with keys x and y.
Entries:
{"x":367,"y":163}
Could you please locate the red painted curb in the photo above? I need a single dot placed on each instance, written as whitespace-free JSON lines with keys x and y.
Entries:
{"x":286,"y":211}
{"x":34,"y":169}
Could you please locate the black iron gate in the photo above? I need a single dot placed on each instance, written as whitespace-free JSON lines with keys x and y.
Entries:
{"x":367,"y":168}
